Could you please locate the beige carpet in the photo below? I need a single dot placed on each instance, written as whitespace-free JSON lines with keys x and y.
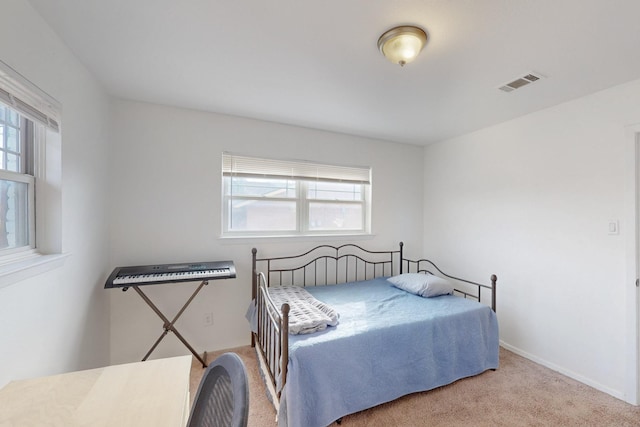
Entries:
{"x":520,"y":393}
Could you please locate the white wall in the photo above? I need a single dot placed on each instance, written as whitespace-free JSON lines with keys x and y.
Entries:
{"x":530,"y":200}
{"x":58,"y":321}
{"x":167,"y":190}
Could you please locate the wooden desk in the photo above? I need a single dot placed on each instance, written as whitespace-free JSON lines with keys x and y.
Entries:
{"x":152,"y":393}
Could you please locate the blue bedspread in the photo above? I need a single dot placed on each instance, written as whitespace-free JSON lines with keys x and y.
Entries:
{"x":388,"y":343}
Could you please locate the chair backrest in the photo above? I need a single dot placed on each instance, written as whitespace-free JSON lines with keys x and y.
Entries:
{"x":222,"y":399}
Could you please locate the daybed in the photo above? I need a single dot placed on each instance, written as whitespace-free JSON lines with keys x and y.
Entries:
{"x":385,"y":342}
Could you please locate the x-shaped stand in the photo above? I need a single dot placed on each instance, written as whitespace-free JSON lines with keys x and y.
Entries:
{"x":168,"y":325}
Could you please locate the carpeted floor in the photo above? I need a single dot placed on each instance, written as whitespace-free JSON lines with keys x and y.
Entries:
{"x":520,"y":393}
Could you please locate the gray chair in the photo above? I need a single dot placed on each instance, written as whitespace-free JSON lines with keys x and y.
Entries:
{"x":222,"y":399}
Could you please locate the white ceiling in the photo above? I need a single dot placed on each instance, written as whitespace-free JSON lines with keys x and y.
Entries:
{"x":316,"y":63}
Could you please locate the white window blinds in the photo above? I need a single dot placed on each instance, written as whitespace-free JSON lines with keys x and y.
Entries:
{"x":27,"y":99}
{"x":243,"y":166}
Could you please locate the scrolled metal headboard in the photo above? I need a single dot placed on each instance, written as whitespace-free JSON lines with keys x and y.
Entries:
{"x":327,"y":265}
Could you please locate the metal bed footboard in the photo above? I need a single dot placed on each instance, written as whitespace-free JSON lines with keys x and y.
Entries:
{"x":273,"y":334}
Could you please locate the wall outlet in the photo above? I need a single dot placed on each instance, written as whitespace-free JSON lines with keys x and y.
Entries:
{"x":208,"y":319}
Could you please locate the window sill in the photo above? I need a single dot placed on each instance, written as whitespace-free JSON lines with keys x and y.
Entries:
{"x":28,"y":266}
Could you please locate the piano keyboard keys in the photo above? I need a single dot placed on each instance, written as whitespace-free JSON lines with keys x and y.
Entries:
{"x":163,"y":277}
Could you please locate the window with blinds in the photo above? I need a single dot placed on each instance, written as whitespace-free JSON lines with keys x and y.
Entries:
{"x":27,"y":116}
{"x":17,"y":219}
{"x":269,"y":197}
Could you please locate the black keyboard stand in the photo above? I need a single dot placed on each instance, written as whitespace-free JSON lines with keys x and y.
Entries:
{"x":168,"y":325}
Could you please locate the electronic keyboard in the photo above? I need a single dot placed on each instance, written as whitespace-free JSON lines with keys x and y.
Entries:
{"x":124,"y":277}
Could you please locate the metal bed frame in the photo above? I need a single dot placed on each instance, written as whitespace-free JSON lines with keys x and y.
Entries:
{"x":321,"y":266}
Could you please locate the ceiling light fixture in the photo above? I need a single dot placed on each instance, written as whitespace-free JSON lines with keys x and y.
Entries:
{"x":402,"y":45}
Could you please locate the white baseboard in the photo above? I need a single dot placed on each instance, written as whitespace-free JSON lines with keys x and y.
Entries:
{"x":566,"y":372}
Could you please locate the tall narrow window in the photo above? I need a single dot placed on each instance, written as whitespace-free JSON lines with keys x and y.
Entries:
{"x":266,"y":197}
{"x":29,"y":176}
{"x":17,"y":213}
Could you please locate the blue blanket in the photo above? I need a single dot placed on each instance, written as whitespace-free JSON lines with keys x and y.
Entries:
{"x":388,"y":343}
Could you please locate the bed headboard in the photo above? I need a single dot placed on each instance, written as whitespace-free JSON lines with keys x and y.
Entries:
{"x":327,"y":265}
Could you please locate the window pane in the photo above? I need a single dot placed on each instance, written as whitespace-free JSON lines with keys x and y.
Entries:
{"x":334,"y":191}
{"x":262,"y":215}
{"x":12,"y":117}
{"x":13,"y":163}
{"x":335,"y":216}
{"x":263,"y":187}
{"x":10,"y":143}
{"x":13,"y":140}
{"x":2,"y":112}
{"x":14,"y":229}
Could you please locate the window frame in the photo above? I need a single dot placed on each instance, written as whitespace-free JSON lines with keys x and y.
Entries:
{"x":25,"y":154}
{"x":301,"y":199}
{"x":43,"y":112}
{"x":30,"y":222}
{"x":305,"y":211}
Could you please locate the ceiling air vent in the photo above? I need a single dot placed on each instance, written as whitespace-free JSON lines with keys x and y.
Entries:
{"x":520,"y":82}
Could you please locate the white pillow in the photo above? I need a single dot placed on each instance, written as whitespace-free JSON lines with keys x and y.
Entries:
{"x":425,"y":285}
